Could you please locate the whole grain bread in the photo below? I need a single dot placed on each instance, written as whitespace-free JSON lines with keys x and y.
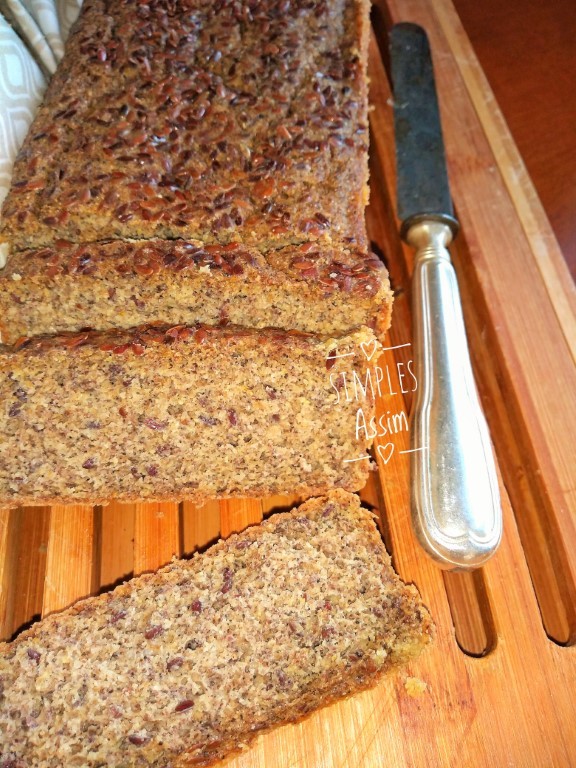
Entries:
{"x":180,"y":127}
{"x":202,"y":119}
{"x":123,"y":284}
{"x":183,"y":412}
{"x":184,"y":666}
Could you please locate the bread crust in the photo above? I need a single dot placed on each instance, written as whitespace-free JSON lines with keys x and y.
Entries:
{"x":193,"y":120}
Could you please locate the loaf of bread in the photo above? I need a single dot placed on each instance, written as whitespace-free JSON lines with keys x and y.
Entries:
{"x":185,"y":666}
{"x":183,"y":412}
{"x":196,"y":161}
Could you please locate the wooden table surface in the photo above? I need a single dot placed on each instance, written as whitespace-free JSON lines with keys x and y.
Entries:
{"x":526,"y":49}
{"x":499,"y":681}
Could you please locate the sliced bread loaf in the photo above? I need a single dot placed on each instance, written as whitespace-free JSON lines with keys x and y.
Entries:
{"x":194,"y":162}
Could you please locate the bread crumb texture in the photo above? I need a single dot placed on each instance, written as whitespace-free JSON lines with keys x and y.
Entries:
{"x":183,"y":412}
{"x":415,"y":687}
{"x":185,"y":666}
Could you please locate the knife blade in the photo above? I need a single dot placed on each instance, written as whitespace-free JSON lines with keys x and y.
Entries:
{"x":455,"y":501}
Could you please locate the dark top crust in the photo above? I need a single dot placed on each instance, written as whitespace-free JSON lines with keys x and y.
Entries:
{"x":175,"y":120}
{"x":331,"y":270}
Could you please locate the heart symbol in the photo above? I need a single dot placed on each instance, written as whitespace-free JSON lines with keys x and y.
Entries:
{"x":369,"y":348}
{"x":385,"y":449}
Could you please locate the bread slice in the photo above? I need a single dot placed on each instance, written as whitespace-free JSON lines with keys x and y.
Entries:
{"x":68,"y":287}
{"x":187,"y":665}
{"x":183,"y":412}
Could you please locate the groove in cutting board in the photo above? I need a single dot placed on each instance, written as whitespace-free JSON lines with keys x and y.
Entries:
{"x":70,"y":572}
{"x":471,"y":612}
{"x":7,"y":560}
{"x":156,"y":535}
{"x":237,"y":514}
{"x":116,"y":539}
{"x":23,"y":581}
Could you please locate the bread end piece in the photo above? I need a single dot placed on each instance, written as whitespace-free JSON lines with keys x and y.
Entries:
{"x":185,"y":666}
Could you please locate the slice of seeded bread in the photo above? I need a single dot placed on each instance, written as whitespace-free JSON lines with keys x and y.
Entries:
{"x":184,"y":412}
{"x":122,"y":284}
{"x":184,"y":666}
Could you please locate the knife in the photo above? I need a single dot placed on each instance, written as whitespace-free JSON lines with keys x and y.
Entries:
{"x":455,"y":501}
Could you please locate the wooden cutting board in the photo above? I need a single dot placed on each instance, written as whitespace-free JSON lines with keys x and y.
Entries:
{"x":499,"y":685}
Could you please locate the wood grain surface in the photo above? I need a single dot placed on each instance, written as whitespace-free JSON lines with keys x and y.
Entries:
{"x":497,"y":687}
{"x":526,"y":49}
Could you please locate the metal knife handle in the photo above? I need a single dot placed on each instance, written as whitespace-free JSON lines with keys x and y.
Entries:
{"x":456,"y":509}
